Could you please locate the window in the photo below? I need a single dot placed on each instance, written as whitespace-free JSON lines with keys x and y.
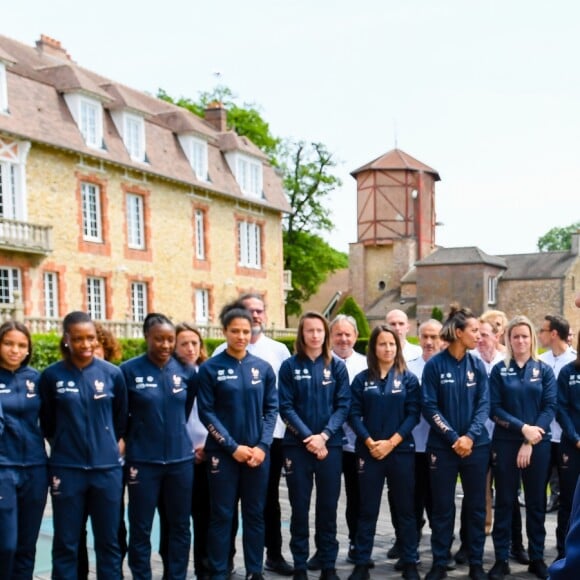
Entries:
{"x":51,"y":295}
{"x":201,"y":306}
{"x":96,"y":298}
{"x":134,"y":136}
{"x":249,"y":176}
{"x":249,"y":241}
{"x":198,"y":158}
{"x":10,"y":282}
{"x":91,"y":200}
{"x":135,"y":222}
{"x":138,"y":301}
{"x":91,"y":123}
{"x":13,"y":156}
{"x":492,"y":290}
{"x":199,"y":234}
{"x":3,"y":89}
{"x":8,"y":190}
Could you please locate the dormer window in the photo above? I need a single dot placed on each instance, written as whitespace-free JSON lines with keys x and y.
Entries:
{"x":3,"y":89}
{"x":134,"y":136}
{"x":249,"y":175}
{"x":88,"y":115}
{"x":196,"y":152}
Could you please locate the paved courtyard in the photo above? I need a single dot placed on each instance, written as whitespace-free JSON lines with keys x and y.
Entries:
{"x":384,"y":568}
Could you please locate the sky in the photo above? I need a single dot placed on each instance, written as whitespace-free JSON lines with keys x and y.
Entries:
{"x":485,"y":92}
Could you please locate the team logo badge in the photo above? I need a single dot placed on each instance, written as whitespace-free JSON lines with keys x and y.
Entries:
{"x":99,"y":388}
{"x":30,"y":389}
{"x":470,"y":376}
{"x":55,"y":485}
{"x":535,"y":372}
{"x":215,"y":464}
{"x":288,"y":465}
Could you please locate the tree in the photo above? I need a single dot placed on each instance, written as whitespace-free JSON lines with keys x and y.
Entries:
{"x":558,"y":239}
{"x":350,"y":307}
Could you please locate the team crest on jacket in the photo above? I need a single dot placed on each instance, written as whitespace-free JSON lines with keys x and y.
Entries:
{"x":535,"y":372}
{"x":255,"y":376}
{"x":396,"y":386}
{"x":215,"y":464}
{"x":30,"y":389}
{"x":326,"y":376}
{"x":99,"y":389}
{"x":177,"y":384}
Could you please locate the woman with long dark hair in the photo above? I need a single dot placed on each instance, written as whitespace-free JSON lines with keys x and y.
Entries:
{"x":456,"y":405}
{"x":386,"y":402}
{"x":23,"y":474}
{"x":83,"y":416}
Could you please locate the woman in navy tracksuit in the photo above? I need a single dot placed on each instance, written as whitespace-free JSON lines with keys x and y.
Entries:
{"x":523,"y":403}
{"x":23,"y":475}
{"x":314,"y":392}
{"x":83,"y":415}
{"x":386,"y":402}
{"x":238,"y":405}
{"x":456,"y":405}
{"x":158,"y":466}
{"x":568,"y":417}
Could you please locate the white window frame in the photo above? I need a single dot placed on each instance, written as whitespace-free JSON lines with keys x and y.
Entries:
{"x":134,"y":136}
{"x":199,"y":234}
{"x":250,"y":245}
{"x":202,"y":306}
{"x":492,"y":290}
{"x":3,"y":89}
{"x":51,"y":294}
{"x":249,"y":175}
{"x":91,"y":122}
{"x":91,"y":210}
{"x":139,"y":308}
{"x":13,"y":155}
{"x":10,"y":282}
{"x":135,"y":221}
{"x":96,"y":298}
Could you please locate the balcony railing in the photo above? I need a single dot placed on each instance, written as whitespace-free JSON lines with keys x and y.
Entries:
{"x":25,"y":237}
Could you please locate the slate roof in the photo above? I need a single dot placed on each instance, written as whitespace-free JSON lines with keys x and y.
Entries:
{"x":397,"y":159}
{"x":38,"y":112}
{"x":457,"y":256}
{"x":538,"y":266}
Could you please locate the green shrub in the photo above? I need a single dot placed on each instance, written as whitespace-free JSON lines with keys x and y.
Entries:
{"x":351,"y":308}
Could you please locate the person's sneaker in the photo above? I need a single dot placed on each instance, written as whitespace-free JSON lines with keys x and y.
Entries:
{"x":394,"y":551}
{"x":300,"y":575}
{"x":518,"y":554}
{"x":279,"y":565}
{"x":255,"y":576}
{"x":329,"y":574}
{"x":314,"y":562}
{"x":410,"y":571}
{"x":436,"y":573}
{"x":351,"y":556}
{"x":499,"y":570}
{"x":538,"y":568}
{"x":360,"y":572}
{"x":461,"y":556}
{"x":476,"y":572}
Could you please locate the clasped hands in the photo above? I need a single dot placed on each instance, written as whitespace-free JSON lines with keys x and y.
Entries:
{"x":253,"y":456}
{"x":316,"y":444}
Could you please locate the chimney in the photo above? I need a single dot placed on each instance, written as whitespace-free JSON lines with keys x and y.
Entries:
{"x":50,"y":46}
{"x":217,"y":116}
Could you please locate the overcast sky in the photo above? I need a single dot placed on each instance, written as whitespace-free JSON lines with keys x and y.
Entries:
{"x":487,"y":93}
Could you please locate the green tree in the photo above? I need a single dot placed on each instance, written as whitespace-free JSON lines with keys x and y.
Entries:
{"x":558,"y":239}
{"x":350,"y":307}
{"x":437,"y":313}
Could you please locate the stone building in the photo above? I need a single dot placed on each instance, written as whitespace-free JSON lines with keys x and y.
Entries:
{"x":118,"y":203}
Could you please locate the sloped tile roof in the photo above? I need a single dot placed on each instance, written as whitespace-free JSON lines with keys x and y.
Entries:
{"x":456,"y":256}
{"x":397,"y":159}
{"x":538,"y":266}
{"x":39,"y":113}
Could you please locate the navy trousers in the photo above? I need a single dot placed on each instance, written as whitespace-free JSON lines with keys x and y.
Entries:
{"x":399,"y":471}
{"x":444,"y":467}
{"x":150,"y":484}
{"x":507,"y":480}
{"x":302,"y":470}
{"x":228,"y":481}
{"x":569,"y":469}
{"x":23,"y":492}
{"x":98,"y":491}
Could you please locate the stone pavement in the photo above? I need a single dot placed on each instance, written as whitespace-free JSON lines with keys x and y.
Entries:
{"x":383,"y":569}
